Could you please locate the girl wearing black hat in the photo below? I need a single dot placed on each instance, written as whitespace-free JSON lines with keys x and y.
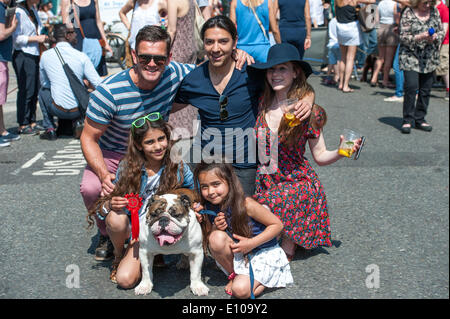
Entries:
{"x":289,"y":185}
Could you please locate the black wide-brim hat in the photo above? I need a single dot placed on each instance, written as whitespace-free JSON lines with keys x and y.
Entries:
{"x":282,"y":53}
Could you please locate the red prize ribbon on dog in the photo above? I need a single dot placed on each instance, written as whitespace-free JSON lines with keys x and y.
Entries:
{"x":134,"y":204}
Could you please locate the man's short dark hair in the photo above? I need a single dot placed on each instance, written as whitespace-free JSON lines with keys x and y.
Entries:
{"x":59,"y":31}
{"x":153,"y":33}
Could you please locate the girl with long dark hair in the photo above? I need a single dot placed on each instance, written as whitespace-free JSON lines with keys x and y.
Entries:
{"x":243,"y":232}
{"x":149,"y":167}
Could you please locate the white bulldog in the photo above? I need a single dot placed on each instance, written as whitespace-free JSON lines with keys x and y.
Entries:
{"x":171,"y":227}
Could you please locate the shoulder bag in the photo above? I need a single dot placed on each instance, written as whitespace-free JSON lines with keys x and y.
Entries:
{"x":198,"y":24}
{"x":368,"y":17}
{"x":78,"y":88}
{"x":259,"y":22}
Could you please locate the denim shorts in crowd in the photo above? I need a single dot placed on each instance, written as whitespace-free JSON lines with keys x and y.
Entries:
{"x":334,"y":55}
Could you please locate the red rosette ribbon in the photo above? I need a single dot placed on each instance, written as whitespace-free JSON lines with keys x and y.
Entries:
{"x":134,"y":204}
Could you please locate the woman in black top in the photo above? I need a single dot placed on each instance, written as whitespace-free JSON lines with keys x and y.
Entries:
{"x":349,"y":38}
{"x":88,"y":15}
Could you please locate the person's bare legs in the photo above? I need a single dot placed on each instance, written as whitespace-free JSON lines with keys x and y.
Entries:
{"x":118,"y":229}
{"x":129,"y":270}
{"x":241,"y":287}
{"x":388,"y":58}
{"x":288,"y":247}
{"x":342,"y":62}
{"x":349,"y":61}
{"x":219,"y":246}
{"x":378,"y":64}
{"x":336,"y":71}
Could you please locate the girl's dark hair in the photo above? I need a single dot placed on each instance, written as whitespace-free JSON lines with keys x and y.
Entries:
{"x":235,"y":200}
{"x":221,"y":22}
{"x":131,"y":166}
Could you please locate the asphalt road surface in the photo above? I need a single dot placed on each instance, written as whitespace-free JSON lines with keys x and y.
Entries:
{"x":389,"y":214}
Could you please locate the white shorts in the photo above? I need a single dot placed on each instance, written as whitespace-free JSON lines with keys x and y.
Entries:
{"x":348,"y":33}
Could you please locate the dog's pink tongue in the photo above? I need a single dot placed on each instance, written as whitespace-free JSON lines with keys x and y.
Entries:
{"x":165,"y":238}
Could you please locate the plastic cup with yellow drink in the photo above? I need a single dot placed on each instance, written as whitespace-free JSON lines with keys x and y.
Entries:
{"x":288,"y":108}
{"x":346,"y":147}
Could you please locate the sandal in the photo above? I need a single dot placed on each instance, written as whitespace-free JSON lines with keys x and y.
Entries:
{"x":406,"y":128}
{"x":230,"y":278}
{"x":114,"y":266}
{"x":424,"y":127}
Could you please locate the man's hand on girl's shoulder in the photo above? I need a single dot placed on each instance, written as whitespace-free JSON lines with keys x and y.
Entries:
{"x":242,"y":57}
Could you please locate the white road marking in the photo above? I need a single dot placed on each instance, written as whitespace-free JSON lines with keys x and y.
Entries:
{"x":33,"y":160}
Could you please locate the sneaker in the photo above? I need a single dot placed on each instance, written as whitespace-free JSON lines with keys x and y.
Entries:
{"x":28,"y":130}
{"x":10,"y":137}
{"x":39,"y":128}
{"x":394,"y":98}
{"x":4,"y":143}
{"x":49,"y":134}
{"x":105,"y":249}
{"x":78,"y":126}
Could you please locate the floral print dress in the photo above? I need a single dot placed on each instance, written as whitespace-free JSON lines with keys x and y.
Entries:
{"x":294,"y":192}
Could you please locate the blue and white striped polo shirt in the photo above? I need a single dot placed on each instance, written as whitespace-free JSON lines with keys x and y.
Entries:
{"x":117,"y":102}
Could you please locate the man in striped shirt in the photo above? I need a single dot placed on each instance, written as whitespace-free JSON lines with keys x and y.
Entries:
{"x":149,"y":86}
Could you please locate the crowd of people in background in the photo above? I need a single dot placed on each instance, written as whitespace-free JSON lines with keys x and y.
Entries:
{"x":260,"y":24}
{"x":252,"y":60}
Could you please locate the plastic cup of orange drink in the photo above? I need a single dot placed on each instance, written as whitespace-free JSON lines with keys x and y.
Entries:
{"x":346,"y":147}
{"x":288,"y":108}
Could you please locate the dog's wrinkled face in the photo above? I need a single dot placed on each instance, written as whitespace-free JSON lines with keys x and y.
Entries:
{"x":167,"y":217}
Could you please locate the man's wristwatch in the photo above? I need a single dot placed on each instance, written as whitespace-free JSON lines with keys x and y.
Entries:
{"x":105,"y":212}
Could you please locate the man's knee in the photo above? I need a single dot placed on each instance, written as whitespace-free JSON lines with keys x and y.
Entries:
{"x":90,"y":190}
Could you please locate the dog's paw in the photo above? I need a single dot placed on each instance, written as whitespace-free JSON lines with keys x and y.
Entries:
{"x":183,"y":263}
{"x":143,"y":288}
{"x":198,"y":288}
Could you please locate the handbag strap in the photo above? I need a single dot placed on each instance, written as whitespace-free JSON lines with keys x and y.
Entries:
{"x":59,"y":56}
{"x":132,"y":16}
{"x":259,"y":21}
{"x":197,"y":8}
{"x":77,"y":19}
